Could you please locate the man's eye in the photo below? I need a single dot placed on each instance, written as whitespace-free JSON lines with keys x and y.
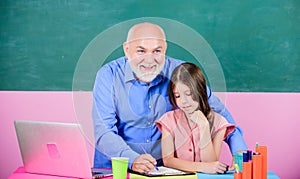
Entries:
{"x":140,"y":51}
{"x":177,"y":96}
{"x":157,"y":51}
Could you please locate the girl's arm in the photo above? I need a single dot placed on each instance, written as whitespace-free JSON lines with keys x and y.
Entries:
{"x":211,"y":150}
{"x":173,"y":162}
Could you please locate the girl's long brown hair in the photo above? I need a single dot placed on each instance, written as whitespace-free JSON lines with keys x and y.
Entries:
{"x":192,"y":76}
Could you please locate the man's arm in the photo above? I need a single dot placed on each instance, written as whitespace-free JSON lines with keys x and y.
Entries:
{"x":235,"y":140}
{"x":107,"y":140}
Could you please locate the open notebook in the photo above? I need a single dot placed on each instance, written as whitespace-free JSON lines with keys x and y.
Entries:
{"x":165,"y":171}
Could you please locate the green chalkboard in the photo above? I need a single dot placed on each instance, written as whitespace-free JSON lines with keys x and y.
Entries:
{"x":257,"y":43}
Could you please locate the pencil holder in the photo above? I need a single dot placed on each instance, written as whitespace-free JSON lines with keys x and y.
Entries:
{"x":237,"y":175}
{"x":257,"y":165}
{"x":263,"y":150}
{"x":247,"y":170}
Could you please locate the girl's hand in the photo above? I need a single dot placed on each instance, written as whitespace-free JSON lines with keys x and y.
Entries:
{"x":198,"y":118}
{"x":214,"y":167}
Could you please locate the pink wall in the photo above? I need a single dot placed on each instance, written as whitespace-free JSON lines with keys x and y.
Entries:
{"x":42,"y":106}
{"x":267,"y":118}
{"x":271,"y":119}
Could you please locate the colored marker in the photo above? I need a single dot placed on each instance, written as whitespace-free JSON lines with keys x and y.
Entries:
{"x":256,"y":153}
{"x":249,"y":153}
{"x":237,"y":170}
{"x":245,"y":157}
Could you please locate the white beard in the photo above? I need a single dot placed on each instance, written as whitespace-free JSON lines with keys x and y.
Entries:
{"x":147,"y":76}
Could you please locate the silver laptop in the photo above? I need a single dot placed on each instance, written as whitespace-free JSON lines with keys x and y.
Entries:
{"x":54,"y":148}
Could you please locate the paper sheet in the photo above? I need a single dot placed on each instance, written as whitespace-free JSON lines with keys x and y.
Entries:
{"x":166,"y":171}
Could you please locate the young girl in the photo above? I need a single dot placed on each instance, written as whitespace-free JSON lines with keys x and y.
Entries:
{"x":192,"y":134}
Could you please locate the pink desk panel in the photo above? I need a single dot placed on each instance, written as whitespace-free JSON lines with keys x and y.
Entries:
{"x":20,"y":173}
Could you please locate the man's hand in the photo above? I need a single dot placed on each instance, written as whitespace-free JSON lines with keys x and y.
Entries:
{"x":144,"y":163}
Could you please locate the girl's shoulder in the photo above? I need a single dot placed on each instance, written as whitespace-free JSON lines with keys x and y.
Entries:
{"x":218,"y":118}
{"x":170,"y":115}
{"x":169,"y":120}
{"x":219,"y":122}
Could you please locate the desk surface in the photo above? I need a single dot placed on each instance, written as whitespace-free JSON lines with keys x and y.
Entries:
{"x":21,"y":174}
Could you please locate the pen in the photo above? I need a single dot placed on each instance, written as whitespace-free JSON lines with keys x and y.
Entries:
{"x":147,"y":153}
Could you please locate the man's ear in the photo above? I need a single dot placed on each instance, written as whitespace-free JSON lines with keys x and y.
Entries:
{"x":166,"y":45}
{"x":126,"y":49}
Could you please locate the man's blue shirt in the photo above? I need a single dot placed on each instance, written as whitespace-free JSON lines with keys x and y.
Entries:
{"x":125,"y":110}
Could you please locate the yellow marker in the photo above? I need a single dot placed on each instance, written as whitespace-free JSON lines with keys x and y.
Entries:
{"x":237,"y":168}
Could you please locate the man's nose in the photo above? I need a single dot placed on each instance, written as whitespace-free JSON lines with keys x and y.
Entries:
{"x":149,"y":58}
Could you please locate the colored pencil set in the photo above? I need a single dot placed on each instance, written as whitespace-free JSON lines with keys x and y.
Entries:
{"x":252,"y":165}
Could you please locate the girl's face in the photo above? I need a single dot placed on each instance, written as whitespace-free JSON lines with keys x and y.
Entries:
{"x":183,"y":98}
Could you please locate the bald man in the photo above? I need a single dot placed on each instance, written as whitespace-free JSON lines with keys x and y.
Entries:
{"x":130,"y":93}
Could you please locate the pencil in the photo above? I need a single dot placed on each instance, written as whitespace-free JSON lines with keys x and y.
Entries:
{"x":147,"y":153}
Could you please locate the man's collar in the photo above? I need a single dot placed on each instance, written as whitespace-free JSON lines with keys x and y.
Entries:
{"x":129,"y":76}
